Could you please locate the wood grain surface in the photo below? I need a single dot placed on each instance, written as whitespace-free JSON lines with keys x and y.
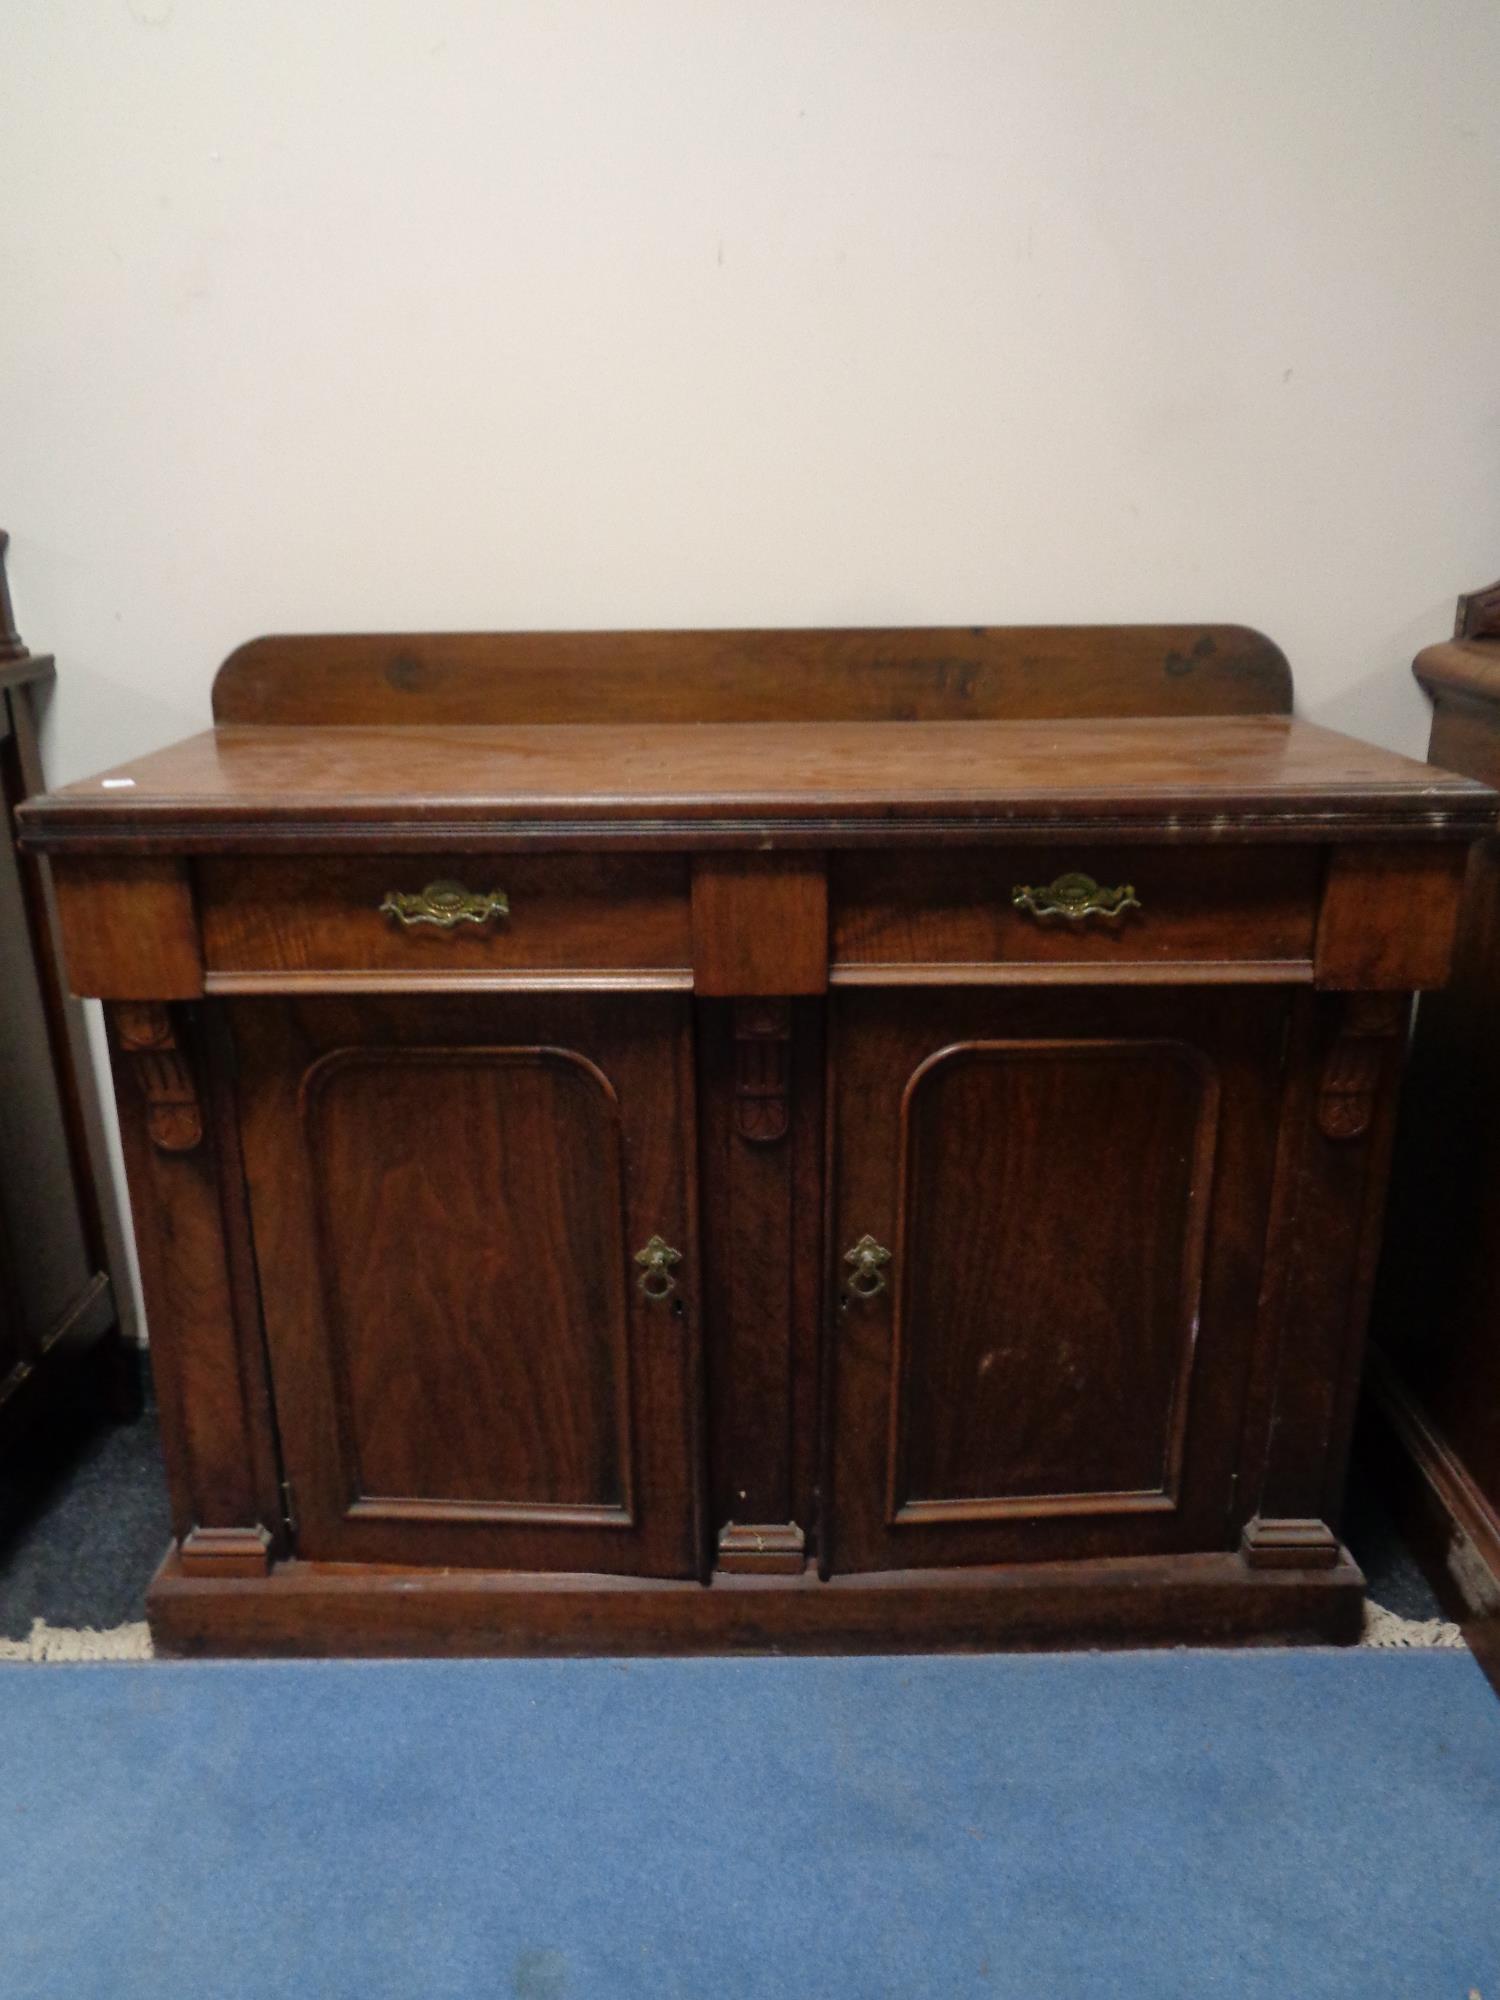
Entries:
{"x":323,"y":1609}
{"x":582,"y":911}
{"x":1214,"y":778}
{"x":447,"y":1202}
{"x":955,"y":907}
{"x":1074,"y":1189}
{"x":849,"y":674}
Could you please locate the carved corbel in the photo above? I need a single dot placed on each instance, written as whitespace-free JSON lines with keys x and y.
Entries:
{"x":1356,"y":1062}
{"x":762,"y":1062}
{"x":147,"y":1036}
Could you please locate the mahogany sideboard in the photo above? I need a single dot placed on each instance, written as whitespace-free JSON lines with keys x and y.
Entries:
{"x":687,"y":1141}
{"x":1435,"y":1378}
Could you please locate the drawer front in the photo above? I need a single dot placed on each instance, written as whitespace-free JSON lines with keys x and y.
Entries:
{"x":1092,"y":908}
{"x":518,"y":914}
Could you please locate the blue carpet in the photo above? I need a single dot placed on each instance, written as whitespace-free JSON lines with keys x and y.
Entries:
{"x":1058,"y":1828}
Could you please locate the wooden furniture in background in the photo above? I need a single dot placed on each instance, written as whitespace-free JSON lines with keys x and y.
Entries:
{"x":1434,"y":1404}
{"x":811,"y":1139}
{"x":57,"y":1302}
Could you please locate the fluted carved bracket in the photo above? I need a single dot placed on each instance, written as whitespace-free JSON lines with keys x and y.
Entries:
{"x":1352,"y":1072}
{"x":762,"y":1069}
{"x":148,"y":1037}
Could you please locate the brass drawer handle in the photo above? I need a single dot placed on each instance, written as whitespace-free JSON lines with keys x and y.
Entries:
{"x":868,"y":1258}
{"x":658,"y":1261}
{"x":444,"y":905}
{"x":1075,"y":897}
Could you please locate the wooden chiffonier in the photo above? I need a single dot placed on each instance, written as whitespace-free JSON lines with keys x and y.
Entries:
{"x":789,"y":1139}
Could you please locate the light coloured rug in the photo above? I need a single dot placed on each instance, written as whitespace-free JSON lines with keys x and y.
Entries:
{"x":1388,"y":1628}
{"x":65,"y":1644}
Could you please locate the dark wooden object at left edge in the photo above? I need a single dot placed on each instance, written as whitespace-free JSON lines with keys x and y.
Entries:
{"x":60,"y":1319}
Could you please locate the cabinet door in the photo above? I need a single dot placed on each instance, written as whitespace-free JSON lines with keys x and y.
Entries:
{"x":1071,"y":1190}
{"x":448,"y":1196}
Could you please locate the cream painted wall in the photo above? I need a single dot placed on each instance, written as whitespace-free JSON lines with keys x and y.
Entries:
{"x":374,"y":313}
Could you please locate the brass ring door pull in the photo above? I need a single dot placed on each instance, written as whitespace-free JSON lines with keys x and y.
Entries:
{"x":1074,"y":898}
{"x":658,"y":1261}
{"x":868,"y":1258}
{"x":444,"y":906}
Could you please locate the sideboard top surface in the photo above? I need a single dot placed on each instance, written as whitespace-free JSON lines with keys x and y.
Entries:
{"x":757,"y":738}
{"x":1215,"y":777}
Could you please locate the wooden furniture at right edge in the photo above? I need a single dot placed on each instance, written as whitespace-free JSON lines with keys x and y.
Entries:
{"x":1433,"y":1405}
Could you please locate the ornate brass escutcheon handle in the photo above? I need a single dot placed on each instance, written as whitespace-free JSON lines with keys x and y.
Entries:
{"x":868,"y":1258}
{"x":658,"y":1261}
{"x":444,"y":905}
{"x":1074,"y":897}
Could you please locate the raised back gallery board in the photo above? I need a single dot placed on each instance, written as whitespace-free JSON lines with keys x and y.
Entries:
{"x":909,"y":674}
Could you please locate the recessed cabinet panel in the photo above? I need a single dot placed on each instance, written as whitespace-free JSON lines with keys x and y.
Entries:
{"x":448,"y":1205}
{"x":1049,"y":1273}
{"x":1050,"y":1223}
{"x":511,"y":1255}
